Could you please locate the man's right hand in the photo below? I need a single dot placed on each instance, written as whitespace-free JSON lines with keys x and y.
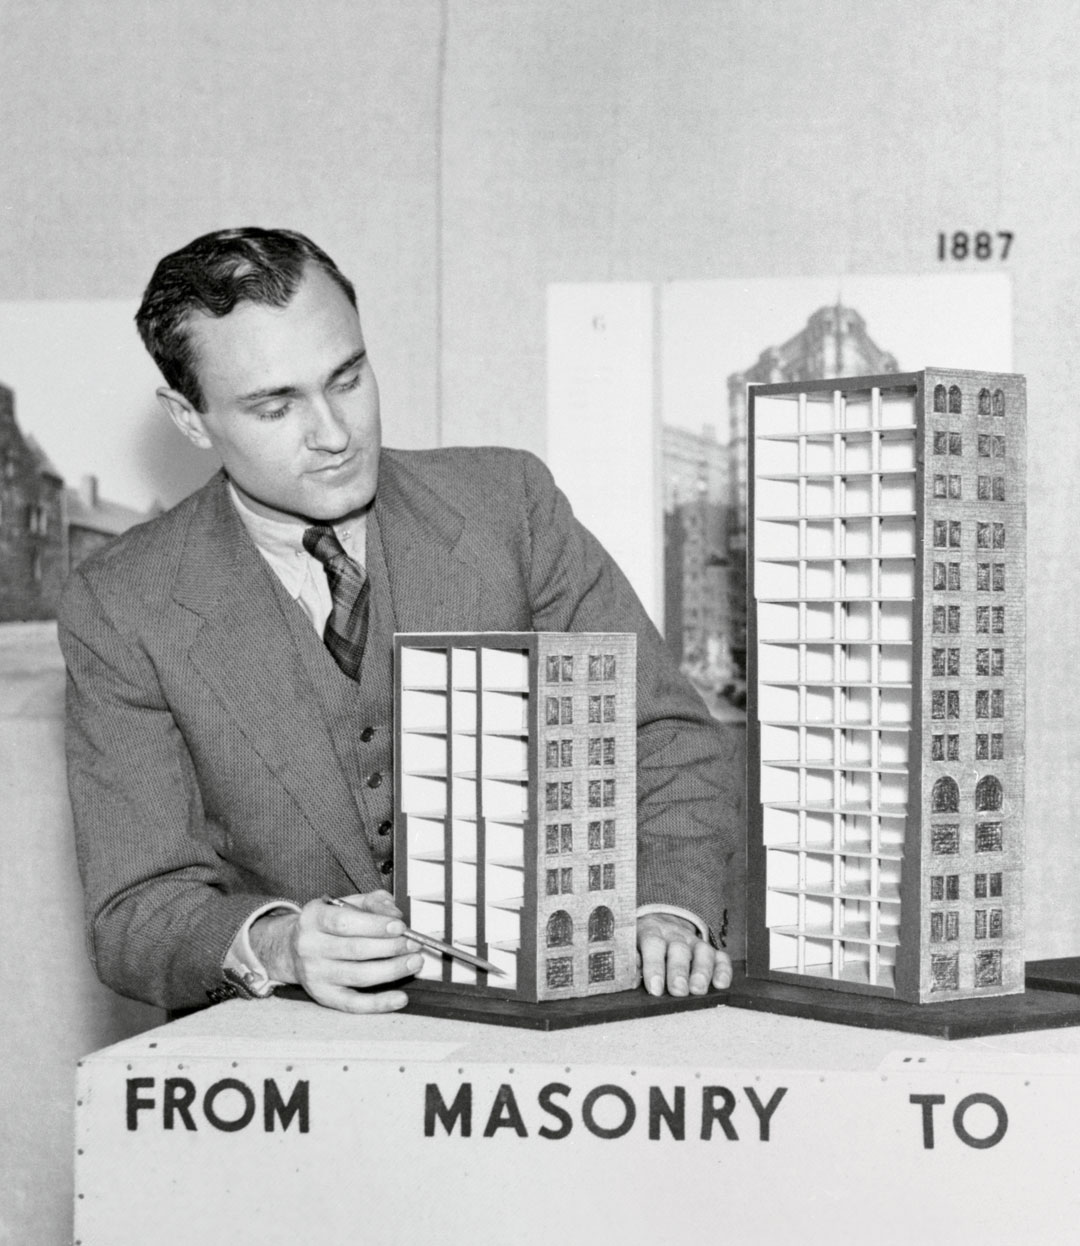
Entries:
{"x":331,"y":950}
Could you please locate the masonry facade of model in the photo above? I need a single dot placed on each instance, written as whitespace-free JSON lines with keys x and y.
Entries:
{"x":516,"y":808}
{"x":887,"y":526}
{"x":973,"y":622}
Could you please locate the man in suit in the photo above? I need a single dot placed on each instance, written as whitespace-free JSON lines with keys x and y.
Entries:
{"x":227,"y":767}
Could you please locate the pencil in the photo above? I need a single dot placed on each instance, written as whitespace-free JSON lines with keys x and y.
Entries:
{"x":436,"y":945}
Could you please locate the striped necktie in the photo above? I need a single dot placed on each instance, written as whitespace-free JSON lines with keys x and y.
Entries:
{"x":346,"y":629}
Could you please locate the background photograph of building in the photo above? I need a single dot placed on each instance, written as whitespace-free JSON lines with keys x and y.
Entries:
{"x":868,"y":326}
{"x":696,"y":567}
{"x":46,"y":527}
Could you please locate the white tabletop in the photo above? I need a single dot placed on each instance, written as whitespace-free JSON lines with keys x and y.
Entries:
{"x":716,"y":1037}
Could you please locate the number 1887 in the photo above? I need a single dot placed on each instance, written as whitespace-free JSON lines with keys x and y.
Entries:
{"x":983,"y":245}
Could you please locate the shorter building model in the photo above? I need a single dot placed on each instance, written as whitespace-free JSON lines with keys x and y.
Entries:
{"x":516,"y":808}
{"x":886,"y":684}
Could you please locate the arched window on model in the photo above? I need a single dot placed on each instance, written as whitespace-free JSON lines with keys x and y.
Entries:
{"x":984,"y":402}
{"x":988,"y":794}
{"x":954,"y":399}
{"x":601,"y":924}
{"x":939,"y":398}
{"x":945,"y":797}
{"x":999,"y":402}
{"x":560,"y":929}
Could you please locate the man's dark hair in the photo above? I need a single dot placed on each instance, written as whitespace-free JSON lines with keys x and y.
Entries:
{"x":211,"y":275}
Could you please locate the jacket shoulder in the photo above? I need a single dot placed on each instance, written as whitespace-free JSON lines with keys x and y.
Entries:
{"x":141,"y":562}
{"x":459,"y":473}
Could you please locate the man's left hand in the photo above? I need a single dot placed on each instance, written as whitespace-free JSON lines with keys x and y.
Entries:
{"x":673,"y":955}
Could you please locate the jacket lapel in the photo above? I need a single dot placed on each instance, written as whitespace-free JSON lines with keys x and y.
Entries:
{"x":434,"y":578}
{"x":245,"y":653}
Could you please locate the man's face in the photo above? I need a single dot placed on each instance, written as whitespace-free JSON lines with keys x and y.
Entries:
{"x":291,"y":403}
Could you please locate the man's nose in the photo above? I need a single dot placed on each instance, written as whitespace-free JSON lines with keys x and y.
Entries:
{"x":327,"y":429}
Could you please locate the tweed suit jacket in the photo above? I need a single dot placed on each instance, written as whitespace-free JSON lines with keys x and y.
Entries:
{"x":202,"y":777}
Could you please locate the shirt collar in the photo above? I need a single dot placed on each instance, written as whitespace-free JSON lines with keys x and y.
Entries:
{"x":281,"y":542}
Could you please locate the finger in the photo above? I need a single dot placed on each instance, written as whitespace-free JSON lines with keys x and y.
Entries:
{"x":374,"y":902}
{"x":722,"y":971}
{"x":349,"y":921}
{"x":345,"y":1000}
{"x":314,"y":944}
{"x":701,"y":967}
{"x":366,"y":973}
{"x":678,"y":967}
{"x":363,"y":947}
{"x":653,"y":950}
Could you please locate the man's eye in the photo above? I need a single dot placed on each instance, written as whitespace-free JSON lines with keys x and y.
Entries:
{"x":353,"y":382}
{"x":273,"y":413}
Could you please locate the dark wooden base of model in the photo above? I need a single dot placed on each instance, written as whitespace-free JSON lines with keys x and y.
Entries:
{"x":1060,"y":974}
{"x":557,"y":1014}
{"x":1035,"y":1009}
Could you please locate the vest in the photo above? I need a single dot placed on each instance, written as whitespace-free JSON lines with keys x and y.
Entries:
{"x":359,"y":716}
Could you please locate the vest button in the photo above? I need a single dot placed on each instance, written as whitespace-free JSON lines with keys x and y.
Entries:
{"x":385,"y":828}
{"x":387,"y":867}
{"x":367,"y":734}
{"x":373,"y":780}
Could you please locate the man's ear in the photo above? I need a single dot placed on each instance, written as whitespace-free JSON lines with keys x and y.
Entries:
{"x":185,"y":417}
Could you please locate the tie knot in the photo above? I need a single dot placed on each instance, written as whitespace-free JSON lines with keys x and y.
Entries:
{"x":321,"y":542}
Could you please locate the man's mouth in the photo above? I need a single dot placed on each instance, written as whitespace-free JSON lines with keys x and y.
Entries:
{"x":330,"y":469}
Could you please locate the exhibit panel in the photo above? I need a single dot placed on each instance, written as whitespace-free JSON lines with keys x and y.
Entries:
{"x":507,"y":1135}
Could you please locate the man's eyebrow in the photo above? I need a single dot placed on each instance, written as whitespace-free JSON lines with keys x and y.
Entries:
{"x":256,"y":395}
{"x":285,"y":391}
{"x":350,"y":363}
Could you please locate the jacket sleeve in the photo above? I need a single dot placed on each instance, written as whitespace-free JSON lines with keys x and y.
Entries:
{"x":691,"y":822}
{"x":162,"y":907}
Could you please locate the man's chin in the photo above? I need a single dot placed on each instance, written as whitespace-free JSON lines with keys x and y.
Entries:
{"x":322,"y":505}
{"x":341,"y":503}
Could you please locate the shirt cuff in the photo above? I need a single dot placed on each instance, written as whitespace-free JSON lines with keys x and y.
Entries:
{"x":241,"y":959}
{"x":675,"y":911}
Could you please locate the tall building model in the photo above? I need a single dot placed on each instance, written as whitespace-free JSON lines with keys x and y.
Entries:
{"x":886,"y":684}
{"x":834,"y":341}
{"x":516,"y":800}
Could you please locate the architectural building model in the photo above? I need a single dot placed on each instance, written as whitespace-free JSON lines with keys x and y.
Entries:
{"x":516,"y":800}
{"x":886,"y":684}
{"x":834,"y":341}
